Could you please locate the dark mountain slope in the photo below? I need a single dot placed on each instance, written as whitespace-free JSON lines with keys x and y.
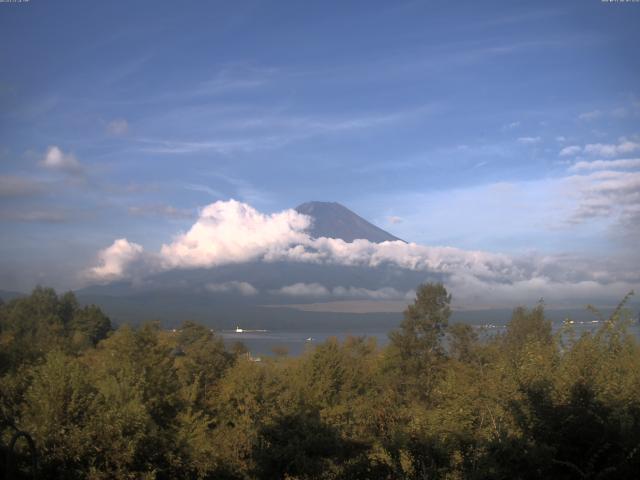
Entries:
{"x":330,"y":219}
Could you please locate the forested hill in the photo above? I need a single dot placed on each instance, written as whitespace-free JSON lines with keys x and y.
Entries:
{"x":144,"y":402}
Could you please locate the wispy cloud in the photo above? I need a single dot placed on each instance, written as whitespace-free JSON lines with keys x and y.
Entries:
{"x":510,"y":126}
{"x":606,"y":164}
{"x":16,"y":186}
{"x":606,"y":194}
{"x":237,"y":76}
{"x":529,"y":140}
{"x":196,"y":187}
{"x":161,"y":210}
{"x":48,"y":215}
{"x":118,"y":127}
{"x":588,"y":116}
{"x":570,"y":151}
{"x":222,"y":147}
{"x":254,"y":131}
{"x":611,"y":150}
{"x":623,"y":147}
{"x":243,"y":189}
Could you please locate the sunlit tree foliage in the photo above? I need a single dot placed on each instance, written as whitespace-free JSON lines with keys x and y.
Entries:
{"x":437,"y":402}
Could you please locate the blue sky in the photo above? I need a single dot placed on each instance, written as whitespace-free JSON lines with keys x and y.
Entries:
{"x":447,"y":123}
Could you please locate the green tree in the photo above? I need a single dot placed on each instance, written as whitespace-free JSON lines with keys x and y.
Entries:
{"x":527,"y":326}
{"x":463,"y":342}
{"x":57,"y":408}
{"x":416,"y":350}
{"x":91,"y":322}
{"x":203,"y":362}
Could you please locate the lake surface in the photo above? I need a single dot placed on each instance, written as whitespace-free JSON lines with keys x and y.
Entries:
{"x":296,"y":341}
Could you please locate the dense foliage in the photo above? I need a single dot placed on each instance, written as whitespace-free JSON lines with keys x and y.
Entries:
{"x":437,"y":402}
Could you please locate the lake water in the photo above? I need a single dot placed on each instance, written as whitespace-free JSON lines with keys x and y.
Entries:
{"x":295,"y":342}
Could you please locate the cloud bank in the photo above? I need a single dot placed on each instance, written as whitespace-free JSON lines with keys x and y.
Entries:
{"x":229,"y":232}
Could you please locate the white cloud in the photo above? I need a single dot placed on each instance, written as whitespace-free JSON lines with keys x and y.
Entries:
{"x":570,"y":151}
{"x":385,"y":293}
{"x":232,"y":232}
{"x":243,"y":288}
{"x":118,"y":127}
{"x":623,"y":147}
{"x":56,"y":159}
{"x":115,"y":260}
{"x":304,"y":290}
{"x":529,"y":140}
{"x":611,"y":150}
{"x":624,"y":163}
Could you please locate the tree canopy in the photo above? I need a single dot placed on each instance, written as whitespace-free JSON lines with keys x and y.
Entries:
{"x":439,"y":401}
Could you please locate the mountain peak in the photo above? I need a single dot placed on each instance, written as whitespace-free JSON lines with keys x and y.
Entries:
{"x":331,"y":219}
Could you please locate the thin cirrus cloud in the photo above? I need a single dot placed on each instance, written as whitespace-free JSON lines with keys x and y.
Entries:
{"x":230,"y":232}
{"x":255,"y":132}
